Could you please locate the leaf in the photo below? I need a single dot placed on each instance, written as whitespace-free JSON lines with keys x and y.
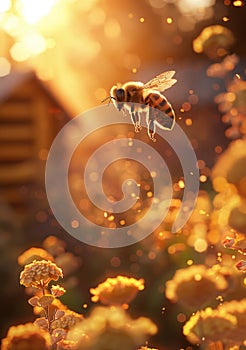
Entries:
{"x":42,"y":323}
{"x":59,"y":314}
{"x":34,"y":301}
{"x":46,"y":300}
{"x":57,"y":335}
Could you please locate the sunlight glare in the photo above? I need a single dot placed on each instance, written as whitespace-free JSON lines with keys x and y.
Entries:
{"x":5,"y":66}
{"x":33,"y":11}
{"x":34,"y":43}
{"x":191,"y":6}
{"x":5,"y":5}
{"x":19,"y":52}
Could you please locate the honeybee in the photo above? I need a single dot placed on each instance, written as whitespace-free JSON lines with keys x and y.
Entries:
{"x":137,"y":97}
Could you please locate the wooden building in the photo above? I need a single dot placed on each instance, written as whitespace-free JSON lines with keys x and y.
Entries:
{"x":30,"y":118}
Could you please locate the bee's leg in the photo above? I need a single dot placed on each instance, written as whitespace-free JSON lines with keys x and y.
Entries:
{"x":151,"y":125}
{"x":151,"y":130}
{"x":124,"y":111}
{"x":135,"y":119}
{"x":137,"y":124}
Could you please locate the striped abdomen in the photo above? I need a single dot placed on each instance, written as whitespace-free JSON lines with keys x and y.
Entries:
{"x":167,"y":116}
{"x":158,"y":101}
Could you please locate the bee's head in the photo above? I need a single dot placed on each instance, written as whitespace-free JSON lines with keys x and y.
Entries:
{"x":118,"y":95}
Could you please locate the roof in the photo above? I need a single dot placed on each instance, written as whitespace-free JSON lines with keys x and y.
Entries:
{"x":11,"y":81}
{"x":15,"y":79}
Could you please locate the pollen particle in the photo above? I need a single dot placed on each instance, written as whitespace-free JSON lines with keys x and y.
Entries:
{"x":238,"y":3}
{"x":188,"y":122}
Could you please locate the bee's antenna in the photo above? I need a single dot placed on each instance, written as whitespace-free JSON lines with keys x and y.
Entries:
{"x":110,"y":98}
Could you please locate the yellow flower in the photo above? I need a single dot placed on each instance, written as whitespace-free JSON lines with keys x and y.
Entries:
{"x":54,"y":245}
{"x":194,"y":286}
{"x":214,"y":41}
{"x":34,"y":254}
{"x":117,"y":291}
{"x":232,"y":104}
{"x":39,"y":273}
{"x":26,"y":337}
{"x":68,"y":262}
{"x":221,"y":69}
{"x":209,"y":325}
{"x":230,"y":168}
{"x":226,"y":323}
{"x":111,"y":328}
{"x":229,"y":179}
{"x":57,"y":291}
{"x":237,"y":308}
{"x":68,"y":320}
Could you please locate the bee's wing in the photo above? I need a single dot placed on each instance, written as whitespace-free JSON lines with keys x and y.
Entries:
{"x":161,"y":82}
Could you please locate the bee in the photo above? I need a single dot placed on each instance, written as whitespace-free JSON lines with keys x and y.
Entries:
{"x":137,"y":97}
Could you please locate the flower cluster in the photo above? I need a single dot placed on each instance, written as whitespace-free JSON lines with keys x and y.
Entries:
{"x":117,"y":291}
{"x":54,"y":250}
{"x":55,"y":319}
{"x":220,"y":70}
{"x":34,"y":254}
{"x":229,"y":178}
{"x":215,"y":41}
{"x":54,"y":245}
{"x":232,"y":104}
{"x":27,"y":337}
{"x":39,"y":273}
{"x":226,"y":323}
{"x":59,"y":328}
{"x":112,"y":328}
{"x":195,"y":286}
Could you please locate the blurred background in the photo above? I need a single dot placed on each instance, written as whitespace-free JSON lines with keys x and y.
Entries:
{"x":59,"y":58}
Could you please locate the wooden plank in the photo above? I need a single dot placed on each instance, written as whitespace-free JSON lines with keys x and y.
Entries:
{"x":14,"y":111}
{"x":12,"y":133}
{"x":18,"y":173}
{"x":16,"y":152}
{"x":12,"y":195}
